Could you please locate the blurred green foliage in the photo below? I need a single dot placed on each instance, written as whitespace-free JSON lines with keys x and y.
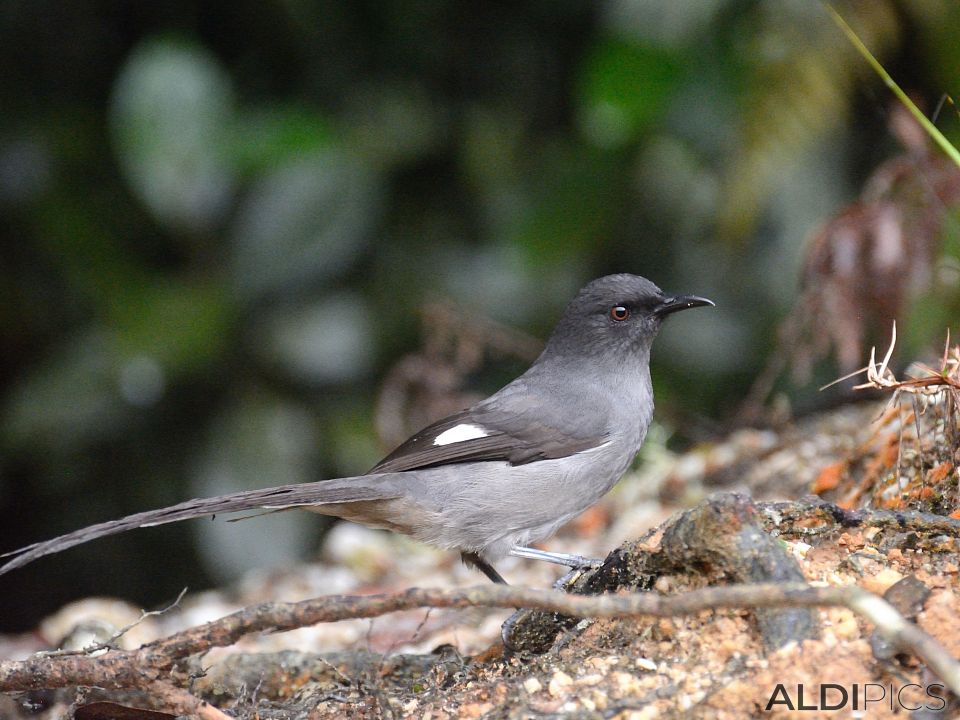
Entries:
{"x":219,"y":223}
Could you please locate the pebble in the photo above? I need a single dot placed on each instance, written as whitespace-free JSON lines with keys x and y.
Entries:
{"x":882,"y":581}
{"x":645,"y":664}
{"x":560,"y":684}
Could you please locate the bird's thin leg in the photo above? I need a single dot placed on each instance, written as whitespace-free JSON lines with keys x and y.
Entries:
{"x":474,"y":560}
{"x":573,"y":561}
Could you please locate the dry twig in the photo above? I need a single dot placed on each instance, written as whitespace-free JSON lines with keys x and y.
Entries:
{"x":928,"y":387}
{"x":144,"y":667}
{"x":108,"y":643}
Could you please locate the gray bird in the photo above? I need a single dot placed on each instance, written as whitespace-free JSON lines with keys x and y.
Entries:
{"x":505,"y":473}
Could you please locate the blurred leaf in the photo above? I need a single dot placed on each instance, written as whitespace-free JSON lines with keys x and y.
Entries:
{"x":624,"y":86}
{"x":170,"y":107}
{"x":797,"y":95}
{"x":85,"y":389}
{"x":572,"y":206}
{"x":268,"y":137}
{"x":183,"y":326}
{"x":676,"y":192}
{"x":347,"y":429}
{"x":508,"y":282}
{"x":388,"y":123}
{"x":492,"y":145}
{"x":326,"y":341}
{"x":951,"y":233}
{"x":926,"y":325}
{"x":304,"y":222}
{"x":677,"y":23}
{"x":69,"y":400}
{"x":258,"y":442}
{"x":77,"y":235}
{"x":938,"y":25}
{"x":181,"y":323}
{"x":25,"y":169}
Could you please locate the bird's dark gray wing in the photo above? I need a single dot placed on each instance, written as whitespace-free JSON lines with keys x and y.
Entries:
{"x":526,"y":433}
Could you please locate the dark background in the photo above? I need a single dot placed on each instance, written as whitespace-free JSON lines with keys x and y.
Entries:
{"x":220,"y":223}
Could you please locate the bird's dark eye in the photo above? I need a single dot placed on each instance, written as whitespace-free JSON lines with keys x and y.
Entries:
{"x":619,"y":313}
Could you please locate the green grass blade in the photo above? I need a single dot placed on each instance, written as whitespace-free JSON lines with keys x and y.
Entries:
{"x":931,"y":129}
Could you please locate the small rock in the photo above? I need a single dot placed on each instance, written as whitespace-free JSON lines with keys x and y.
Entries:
{"x":664,"y":584}
{"x":599,"y":699}
{"x":560,"y":684}
{"x":474,"y":710}
{"x":626,"y":683}
{"x":409,"y":706}
{"x":532,"y":685}
{"x":882,"y":581}
{"x":645,"y":664}
{"x":602,"y":664}
{"x":845,"y":625}
{"x":648,"y":713}
{"x":799,"y":549}
{"x":666,"y":628}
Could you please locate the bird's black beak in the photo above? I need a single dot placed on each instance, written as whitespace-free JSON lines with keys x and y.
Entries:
{"x":680,"y":302}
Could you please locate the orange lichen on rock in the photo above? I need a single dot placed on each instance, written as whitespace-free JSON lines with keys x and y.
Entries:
{"x":939,"y":473}
{"x":829,"y":478}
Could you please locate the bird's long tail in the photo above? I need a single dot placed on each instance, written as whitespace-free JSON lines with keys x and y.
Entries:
{"x":323,"y":492}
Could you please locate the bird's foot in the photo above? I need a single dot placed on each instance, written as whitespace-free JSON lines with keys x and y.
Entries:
{"x":571,"y":561}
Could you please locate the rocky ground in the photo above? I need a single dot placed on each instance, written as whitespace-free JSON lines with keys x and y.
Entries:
{"x":715,"y":664}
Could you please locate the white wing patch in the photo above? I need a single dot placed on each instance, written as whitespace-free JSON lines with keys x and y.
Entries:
{"x":460,"y":433}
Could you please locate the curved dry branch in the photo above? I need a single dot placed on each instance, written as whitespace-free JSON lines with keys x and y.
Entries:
{"x":140,"y":668}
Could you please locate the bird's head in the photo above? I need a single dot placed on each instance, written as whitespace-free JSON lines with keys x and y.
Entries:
{"x":616,"y":314}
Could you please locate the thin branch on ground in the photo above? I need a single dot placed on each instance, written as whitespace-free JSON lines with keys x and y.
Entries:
{"x":109,"y":642}
{"x":140,"y":668}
